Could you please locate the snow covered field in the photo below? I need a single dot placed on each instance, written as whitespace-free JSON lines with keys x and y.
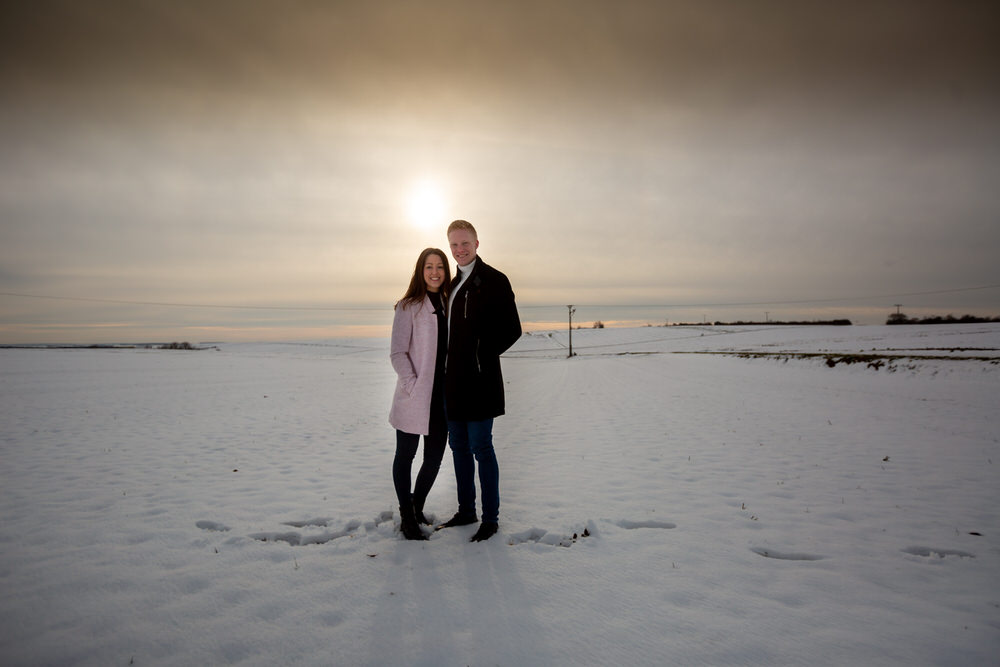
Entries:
{"x":658,"y":507}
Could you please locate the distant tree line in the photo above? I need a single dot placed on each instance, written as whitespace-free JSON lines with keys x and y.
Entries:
{"x":901,"y":318}
{"x":183,"y":346}
{"x":741,"y":323}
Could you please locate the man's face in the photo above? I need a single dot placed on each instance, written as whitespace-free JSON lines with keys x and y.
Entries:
{"x":463,"y":246}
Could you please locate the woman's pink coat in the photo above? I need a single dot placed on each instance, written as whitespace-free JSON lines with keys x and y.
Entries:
{"x":413,"y":353}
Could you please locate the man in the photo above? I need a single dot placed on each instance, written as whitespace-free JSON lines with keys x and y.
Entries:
{"x":482,"y":325}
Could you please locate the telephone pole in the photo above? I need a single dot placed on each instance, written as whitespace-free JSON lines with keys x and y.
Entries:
{"x":571,"y":311}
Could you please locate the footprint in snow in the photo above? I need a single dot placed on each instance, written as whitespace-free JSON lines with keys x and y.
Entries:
{"x":213,"y":526}
{"x":300,"y":540}
{"x":542,"y":536}
{"x":320,"y":523}
{"x":297,"y":539}
{"x":931,"y":552}
{"x":785,"y":555}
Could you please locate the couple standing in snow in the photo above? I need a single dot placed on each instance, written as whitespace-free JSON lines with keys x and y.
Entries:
{"x":447,"y":338}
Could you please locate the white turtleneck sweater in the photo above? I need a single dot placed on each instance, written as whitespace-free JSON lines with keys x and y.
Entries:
{"x":463,"y":275}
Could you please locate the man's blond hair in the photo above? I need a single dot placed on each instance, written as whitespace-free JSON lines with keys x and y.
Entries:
{"x":463,"y":224}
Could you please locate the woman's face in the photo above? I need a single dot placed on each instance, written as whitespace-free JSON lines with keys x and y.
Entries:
{"x":433,"y":272}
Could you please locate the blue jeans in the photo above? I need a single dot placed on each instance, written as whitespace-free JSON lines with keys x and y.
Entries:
{"x":472,"y":442}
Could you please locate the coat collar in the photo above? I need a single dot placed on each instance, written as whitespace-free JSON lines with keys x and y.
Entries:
{"x":477,"y":265}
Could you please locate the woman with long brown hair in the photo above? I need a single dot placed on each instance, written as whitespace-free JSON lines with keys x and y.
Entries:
{"x":417,"y":351}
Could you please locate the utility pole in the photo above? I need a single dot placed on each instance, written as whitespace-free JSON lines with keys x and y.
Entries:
{"x":571,"y":311}
{"x":898,"y":306}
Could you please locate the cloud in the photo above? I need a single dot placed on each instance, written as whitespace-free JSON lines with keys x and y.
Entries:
{"x":719,"y":152}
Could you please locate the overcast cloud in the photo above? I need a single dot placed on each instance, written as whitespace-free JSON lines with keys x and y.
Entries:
{"x":609,"y":153}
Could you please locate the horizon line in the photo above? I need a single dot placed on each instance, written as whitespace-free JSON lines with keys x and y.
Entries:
{"x":169,"y":304}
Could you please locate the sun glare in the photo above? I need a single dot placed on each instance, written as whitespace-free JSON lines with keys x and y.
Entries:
{"x":426,"y":206}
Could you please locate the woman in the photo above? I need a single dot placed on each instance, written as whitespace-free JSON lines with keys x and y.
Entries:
{"x":418,"y":348}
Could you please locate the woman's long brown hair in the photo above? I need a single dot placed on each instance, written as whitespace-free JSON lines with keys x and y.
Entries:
{"x":417,"y":290}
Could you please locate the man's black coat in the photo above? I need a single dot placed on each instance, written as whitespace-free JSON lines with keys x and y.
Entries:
{"x":484,"y":324}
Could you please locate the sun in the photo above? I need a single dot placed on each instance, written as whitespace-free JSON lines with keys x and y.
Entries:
{"x":425,"y":205}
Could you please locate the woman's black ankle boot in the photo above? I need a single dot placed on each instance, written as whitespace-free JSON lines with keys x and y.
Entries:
{"x":408,"y":525}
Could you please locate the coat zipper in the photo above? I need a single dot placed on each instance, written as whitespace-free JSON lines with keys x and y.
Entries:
{"x":479,"y":368}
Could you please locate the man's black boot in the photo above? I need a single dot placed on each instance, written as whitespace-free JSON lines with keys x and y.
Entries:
{"x":487,"y":529}
{"x":459,"y":520}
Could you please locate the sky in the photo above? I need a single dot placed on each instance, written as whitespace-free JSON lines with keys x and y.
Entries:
{"x":271,"y":170}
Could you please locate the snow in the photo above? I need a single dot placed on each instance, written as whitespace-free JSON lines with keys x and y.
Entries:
{"x":660,"y":504}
